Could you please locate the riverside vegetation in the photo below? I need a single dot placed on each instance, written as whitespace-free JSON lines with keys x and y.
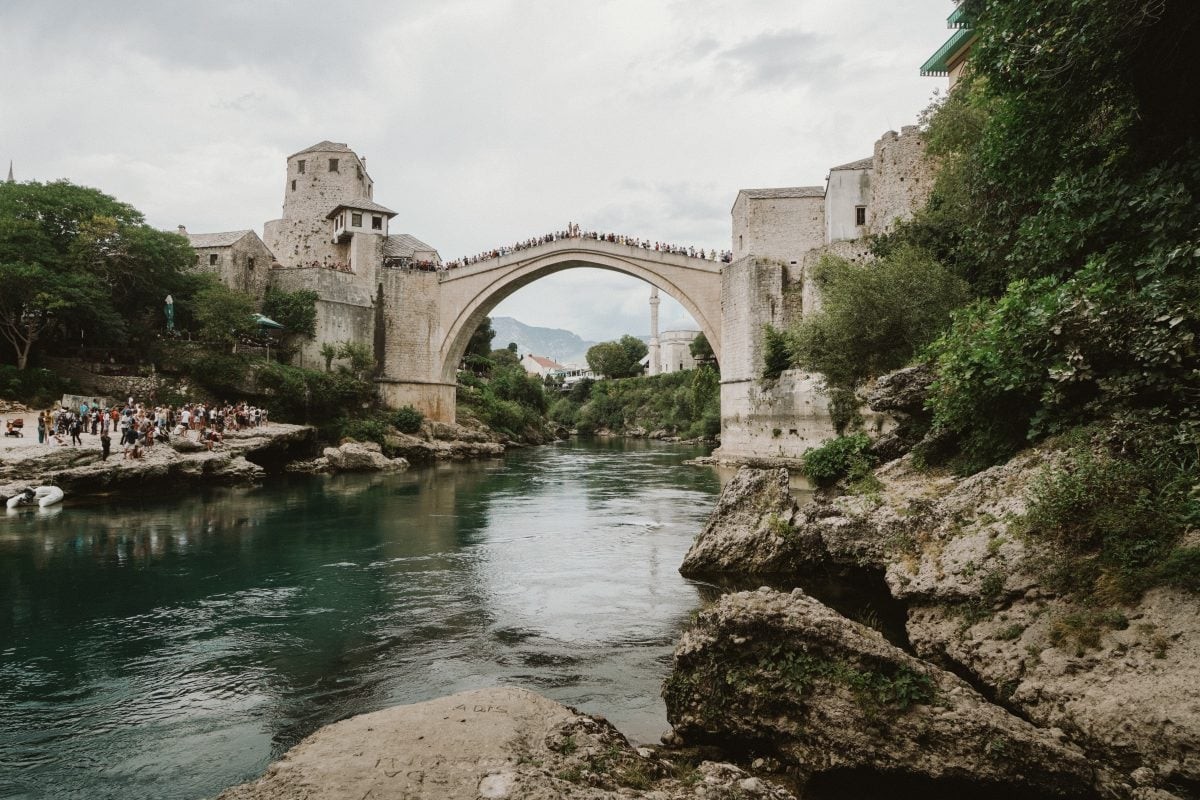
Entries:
{"x":1050,"y":285}
{"x":1033,"y":519}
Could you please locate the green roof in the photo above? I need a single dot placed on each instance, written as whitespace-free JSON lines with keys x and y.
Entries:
{"x":957,"y":19}
{"x":939,"y":63}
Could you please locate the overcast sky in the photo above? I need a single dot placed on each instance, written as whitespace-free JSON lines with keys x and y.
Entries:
{"x":483,"y":121}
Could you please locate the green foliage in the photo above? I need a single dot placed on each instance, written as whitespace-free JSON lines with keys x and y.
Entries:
{"x":1085,"y":628}
{"x":37,"y":388}
{"x":480,"y":343}
{"x":223,"y":375}
{"x":306,"y":395}
{"x":843,"y":457}
{"x":361,"y":357}
{"x":1112,"y":512}
{"x":225,"y":316}
{"x":687,"y":403}
{"x":619,"y":359}
{"x":874,"y":316}
{"x":1181,"y":569}
{"x":364,"y":429}
{"x":511,"y":401}
{"x":407,"y":419}
{"x":329,"y":352}
{"x":777,"y":353}
{"x":701,"y":350}
{"x":296,"y":311}
{"x":76,"y":263}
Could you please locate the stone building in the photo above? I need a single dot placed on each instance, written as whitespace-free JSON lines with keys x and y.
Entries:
{"x":332,"y":238}
{"x":675,"y":353}
{"x":239,"y":258}
{"x":779,"y":236}
{"x":541,"y":365}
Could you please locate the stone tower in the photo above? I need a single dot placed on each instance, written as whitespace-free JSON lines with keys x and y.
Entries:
{"x":655,"y":356}
{"x":319,"y":179}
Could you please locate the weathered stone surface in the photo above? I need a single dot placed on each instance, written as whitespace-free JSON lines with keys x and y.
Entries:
{"x":1133,"y":700}
{"x":489,"y":743}
{"x":750,"y":530}
{"x":828,"y":695}
{"x":80,"y":470}
{"x":351,"y":456}
{"x":417,"y":449}
{"x":904,"y":390}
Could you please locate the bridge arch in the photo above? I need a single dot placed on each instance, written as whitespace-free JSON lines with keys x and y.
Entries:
{"x":472,"y":293}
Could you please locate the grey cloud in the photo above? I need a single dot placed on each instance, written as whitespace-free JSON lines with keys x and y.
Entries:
{"x":782,"y":59}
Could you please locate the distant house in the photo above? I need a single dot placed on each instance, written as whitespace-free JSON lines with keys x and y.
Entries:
{"x":238,"y":258}
{"x":540,"y":365}
{"x":571,"y":375}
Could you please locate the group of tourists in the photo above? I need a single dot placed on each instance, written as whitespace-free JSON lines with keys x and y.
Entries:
{"x":573,"y":231}
{"x":141,"y":426}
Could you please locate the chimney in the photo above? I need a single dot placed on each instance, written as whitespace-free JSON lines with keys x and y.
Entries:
{"x":182,"y":231}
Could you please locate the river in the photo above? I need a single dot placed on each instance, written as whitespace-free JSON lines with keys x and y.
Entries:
{"x":169,"y":646}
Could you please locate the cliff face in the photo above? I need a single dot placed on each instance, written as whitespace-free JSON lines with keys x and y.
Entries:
{"x":1119,"y":685}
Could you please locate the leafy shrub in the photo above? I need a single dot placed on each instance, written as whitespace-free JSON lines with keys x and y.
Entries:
{"x":777,"y":354}
{"x":843,"y":457}
{"x":407,"y":419}
{"x":34,"y":387}
{"x":874,"y":316}
{"x":1113,"y":512}
{"x":368,"y":429}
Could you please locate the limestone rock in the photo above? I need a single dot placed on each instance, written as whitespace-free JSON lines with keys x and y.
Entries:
{"x":1133,"y":700}
{"x":236,"y":469}
{"x":351,"y":456}
{"x":489,"y":743}
{"x":830,"y":695}
{"x":750,"y":529}
{"x":904,"y":390}
{"x":311,"y":466}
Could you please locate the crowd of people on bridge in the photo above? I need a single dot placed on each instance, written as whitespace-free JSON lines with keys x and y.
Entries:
{"x":140,"y":426}
{"x":573,"y":231}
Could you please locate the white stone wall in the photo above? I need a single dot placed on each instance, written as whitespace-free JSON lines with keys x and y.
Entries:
{"x":846,"y":190}
{"x":778,"y":420}
{"x":779,"y":228}
{"x":675,"y":353}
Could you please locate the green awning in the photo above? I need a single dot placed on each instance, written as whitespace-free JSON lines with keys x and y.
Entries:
{"x":938,"y":64}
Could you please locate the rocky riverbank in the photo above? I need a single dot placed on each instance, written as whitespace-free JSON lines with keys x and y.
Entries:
{"x":489,"y":743}
{"x":994,"y":681}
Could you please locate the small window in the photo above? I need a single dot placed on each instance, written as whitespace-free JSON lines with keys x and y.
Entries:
{"x":250,"y":262}
{"x":293,"y":185}
{"x":333,"y":165}
{"x":860,"y":215}
{"x":359,"y":172}
{"x":356,"y":220}
{"x":300,"y":166}
{"x":376,"y":223}
{"x":212,"y":259}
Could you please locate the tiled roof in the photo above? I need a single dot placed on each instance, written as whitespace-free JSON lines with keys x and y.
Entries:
{"x":548,"y":363}
{"x":216,"y":239}
{"x":787,"y":191}
{"x":363,"y":204}
{"x":324,"y":147}
{"x":862,"y":163}
{"x":402,"y":245}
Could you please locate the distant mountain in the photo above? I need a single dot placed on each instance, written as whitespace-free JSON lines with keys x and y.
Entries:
{"x":563,"y":346}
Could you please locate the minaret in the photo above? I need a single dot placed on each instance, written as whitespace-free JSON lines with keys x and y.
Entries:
{"x":655,"y":361}
{"x":10,"y":175}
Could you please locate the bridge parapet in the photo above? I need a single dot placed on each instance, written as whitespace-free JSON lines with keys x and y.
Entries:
{"x":585,"y":245}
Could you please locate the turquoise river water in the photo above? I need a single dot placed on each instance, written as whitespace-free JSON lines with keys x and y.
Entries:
{"x":170,"y":645}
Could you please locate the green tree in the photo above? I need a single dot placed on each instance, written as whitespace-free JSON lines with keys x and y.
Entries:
{"x":619,"y":359}
{"x":225,"y":316}
{"x":701,"y":350}
{"x":329,"y":352}
{"x":360,"y":356}
{"x":83,"y":252}
{"x":480,"y":343}
{"x":874,"y":316}
{"x":295,"y":311}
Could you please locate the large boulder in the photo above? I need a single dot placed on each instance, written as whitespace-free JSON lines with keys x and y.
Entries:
{"x":489,"y":743}
{"x":827,"y":696}
{"x":351,"y":456}
{"x":750,"y":530}
{"x":902,"y":391}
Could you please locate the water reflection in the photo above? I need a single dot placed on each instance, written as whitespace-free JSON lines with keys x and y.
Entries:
{"x":171,"y":646}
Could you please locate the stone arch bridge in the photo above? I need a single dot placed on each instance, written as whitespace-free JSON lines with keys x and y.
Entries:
{"x":425,"y":319}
